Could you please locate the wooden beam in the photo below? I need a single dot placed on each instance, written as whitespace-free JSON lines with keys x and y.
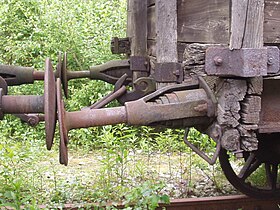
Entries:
{"x":166,"y":27}
{"x":138,"y":25}
{"x":208,"y":21}
{"x":137,"y":19}
{"x":247,"y":22}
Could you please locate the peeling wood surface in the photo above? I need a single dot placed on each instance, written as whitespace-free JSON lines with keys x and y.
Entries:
{"x":208,"y":21}
{"x":247,"y":23}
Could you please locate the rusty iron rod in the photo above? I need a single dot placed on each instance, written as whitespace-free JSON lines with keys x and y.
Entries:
{"x":38,"y":75}
{"x":107,"y":99}
{"x":95,"y":117}
{"x":22,"y":104}
{"x":77,"y":74}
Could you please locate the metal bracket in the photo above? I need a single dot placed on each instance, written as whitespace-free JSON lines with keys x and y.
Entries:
{"x":245,"y":62}
{"x":139,"y":63}
{"x":169,"y":72}
{"x":120,"y":45}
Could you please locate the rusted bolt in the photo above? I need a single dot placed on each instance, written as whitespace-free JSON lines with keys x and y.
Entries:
{"x":201,"y":107}
{"x":218,"y":61}
{"x":33,"y":121}
{"x":177,"y":73}
{"x":143,"y":86}
{"x":270,"y":61}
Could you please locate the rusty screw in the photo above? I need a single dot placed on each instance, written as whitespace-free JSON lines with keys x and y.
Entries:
{"x":270,"y":61}
{"x":33,"y":120}
{"x":177,"y":73}
{"x":218,"y":61}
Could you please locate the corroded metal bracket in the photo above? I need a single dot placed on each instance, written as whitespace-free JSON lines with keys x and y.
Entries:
{"x":245,"y":62}
{"x":139,"y":63}
{"x":169,"y":72}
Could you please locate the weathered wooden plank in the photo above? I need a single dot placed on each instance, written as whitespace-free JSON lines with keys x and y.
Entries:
{"x":198,"y":20}
{"x":253,"y":36}
{"x":207,"y":21}
{"x":166,"y":27}
{"x":272,"y":21}
{"x":238,"y":23}
{"x":138,"y":30}
{"x":129,"y":14}
{"x":138,"y":27}
{"x":180,"y":47}
{"x":203,"y":21}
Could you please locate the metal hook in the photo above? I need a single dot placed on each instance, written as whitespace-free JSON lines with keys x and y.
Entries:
{"x":211,"y":161}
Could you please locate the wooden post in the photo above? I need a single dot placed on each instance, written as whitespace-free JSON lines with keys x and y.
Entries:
{"x":137,"y":20}
{"x":166,"y":27}
{"x":247,"y":18}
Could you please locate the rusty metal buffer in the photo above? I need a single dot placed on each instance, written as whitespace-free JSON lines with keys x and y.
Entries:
{"x":186,"y":101}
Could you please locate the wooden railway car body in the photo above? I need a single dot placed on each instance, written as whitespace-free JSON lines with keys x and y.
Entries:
{"x":222,"y":41}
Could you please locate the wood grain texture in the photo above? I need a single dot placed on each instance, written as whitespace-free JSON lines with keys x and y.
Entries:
{"x":166,"y":27}
{"x":272,"y":21}
{"x":208,"y":21}
{"x":253,"y":35}
{"x":238,"y":23}
{"x":138,"y":27}
{"x":203,"y":20}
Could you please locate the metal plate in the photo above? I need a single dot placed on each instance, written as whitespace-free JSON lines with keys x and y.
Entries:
{"x":49,"y":103}
{"x":246,"y":62}
{"x":63,"y":132}
{"x":64,"y":78}
{"x":58,"y":73}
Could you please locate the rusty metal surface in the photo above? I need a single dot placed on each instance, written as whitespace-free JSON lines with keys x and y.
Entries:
{"x":17,"y":75}
{"x":182,"y":104}
{"x":169,"y":72}
{"x":211,"y":160}
{"x":246,"y":62}
{"x":109,"y":98}
{"x":273,"y":60}
{"x":64,"y":79}
{"x":22,"y":104}
{"x":139,"y":63}
{"x":63,"y":132}
{"x":31,"y":119}
{"x":270,"y":112}
{"x":49,"y":103}
{"x":112,"y":71}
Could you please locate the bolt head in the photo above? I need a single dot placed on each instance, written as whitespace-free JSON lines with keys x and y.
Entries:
{"x":218,"y":61}
{"x":270,"y":61}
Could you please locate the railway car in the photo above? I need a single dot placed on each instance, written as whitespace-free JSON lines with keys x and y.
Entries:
{"x":209,"y":64}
